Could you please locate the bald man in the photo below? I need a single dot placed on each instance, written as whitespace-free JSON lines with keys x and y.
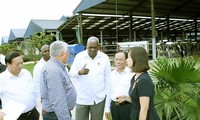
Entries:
{"x":37,"y":71}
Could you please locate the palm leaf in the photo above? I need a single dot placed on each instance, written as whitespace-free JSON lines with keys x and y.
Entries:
{"x":177,"y":88}
{"x":176,"y":70}
{"x":167,"y":105}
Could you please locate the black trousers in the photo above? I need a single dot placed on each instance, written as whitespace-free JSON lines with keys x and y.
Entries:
{"x":31,"y":115}
{"x":0,"y":104}
{"x":120,"y":111}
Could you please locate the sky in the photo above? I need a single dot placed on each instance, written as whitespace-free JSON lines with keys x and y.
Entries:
{"x":16,"y":14}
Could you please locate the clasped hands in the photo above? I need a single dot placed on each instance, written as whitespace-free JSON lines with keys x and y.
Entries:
{"x":84,"y":70}
{"x":120,"y":99}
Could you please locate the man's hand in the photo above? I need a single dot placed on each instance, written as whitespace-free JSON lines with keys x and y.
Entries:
{"x":121,"y":99}
{"x":107,"y":114}
{"x":1,"y":115}
{"x":83,"y":71}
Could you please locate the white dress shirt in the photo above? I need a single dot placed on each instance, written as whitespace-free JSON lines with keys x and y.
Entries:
{"x":91,"y":87}
{"x":36,"y":75}
{"x":118,"y":85}
{"x":2,"y":59}
{"x":19,"y":89}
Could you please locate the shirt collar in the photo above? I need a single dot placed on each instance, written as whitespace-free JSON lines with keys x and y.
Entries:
{"x":8,"y":74}
{"x":86,"y":54}
{"x":58,"y":62}
{"x":126,"y":70}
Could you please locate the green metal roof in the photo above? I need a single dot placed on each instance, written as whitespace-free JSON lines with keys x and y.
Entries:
{"x":174,"y":8}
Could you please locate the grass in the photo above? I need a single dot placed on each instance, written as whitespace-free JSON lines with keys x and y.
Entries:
{"x":29,"y":67}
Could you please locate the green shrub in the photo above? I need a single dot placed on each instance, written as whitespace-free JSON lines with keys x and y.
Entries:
{"x":28,"y":58}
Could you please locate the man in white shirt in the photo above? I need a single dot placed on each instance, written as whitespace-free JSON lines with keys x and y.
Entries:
{"x":16,"y":85}
{"x":36,"y":74}
{"x":38,"y":67}
{"x":2,"y":58}
{"x":118,"y":85}
{"x":90,"y":69}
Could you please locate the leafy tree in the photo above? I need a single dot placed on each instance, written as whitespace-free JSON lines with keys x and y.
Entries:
{"x":36,"y":41}
{"x":6,"y":48}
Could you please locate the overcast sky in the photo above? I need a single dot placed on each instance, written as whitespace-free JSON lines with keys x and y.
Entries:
{"x":16,"y":14}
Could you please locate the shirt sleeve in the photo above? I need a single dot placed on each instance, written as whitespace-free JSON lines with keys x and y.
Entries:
{"x":108,"y":97}
{"x":75,"y":67}
{"x":145,"y":87}
{"x":107,"y":72}
{"x":36,"y":80}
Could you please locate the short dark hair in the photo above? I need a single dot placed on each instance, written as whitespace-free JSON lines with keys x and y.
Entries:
{"x":140,"y":59}
{"x":121,"y":51}
{"x":10,"y":56}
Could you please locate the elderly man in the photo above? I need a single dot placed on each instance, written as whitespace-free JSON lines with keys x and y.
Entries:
{"x":90,"y":69}
{"x":58,"y":94}
{"x":16,"y":85}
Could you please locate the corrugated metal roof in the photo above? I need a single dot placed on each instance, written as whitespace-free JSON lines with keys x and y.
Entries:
{"x":16,"y":34}
{"x":173,"y":8}
{"x":4,"y":40}
{"x":93,"y":23}
{"x":172,"y":17}
{"x":36,"y":26}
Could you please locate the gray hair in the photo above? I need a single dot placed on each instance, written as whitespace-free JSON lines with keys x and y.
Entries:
{"x":44,"y":47}
{"x":93,"y":39}
{"x":57,"y":47}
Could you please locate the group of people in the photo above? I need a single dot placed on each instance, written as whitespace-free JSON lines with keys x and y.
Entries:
{"x":125,"y":93}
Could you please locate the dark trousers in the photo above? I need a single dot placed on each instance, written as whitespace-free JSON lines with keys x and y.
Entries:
{"x":120,"y":111}
{"x":0,"y":104}
{"x":49,"y":116}
{"x":31,"y":115}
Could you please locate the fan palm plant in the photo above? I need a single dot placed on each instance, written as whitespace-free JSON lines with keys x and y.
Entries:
{"x":177,"y":89}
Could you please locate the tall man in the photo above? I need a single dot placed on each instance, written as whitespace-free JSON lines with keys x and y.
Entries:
{"x":58,"y":94}
{"x":16,"y":85}
{"x":90,"y":69}
{"x":37,"y":71}
{"x":38,"y":67}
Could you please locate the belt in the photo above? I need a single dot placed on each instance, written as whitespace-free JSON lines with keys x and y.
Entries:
{"x":120,"y":104}
{"x":27,"y":113}
{"x":47,"y":113}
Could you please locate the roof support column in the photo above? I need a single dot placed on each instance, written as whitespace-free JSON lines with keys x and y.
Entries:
{"x":81,"y":29}
{"x":130,"y":26}
{"x":195,"y":29}
{"x":101,"y":39}
{"x":161,"y":35}
{"x":168,"y":33}
{"x":183,"y":35}
{"x":134,"y":36}
{"x":57,"y":35}
{"x":153,"y":30}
